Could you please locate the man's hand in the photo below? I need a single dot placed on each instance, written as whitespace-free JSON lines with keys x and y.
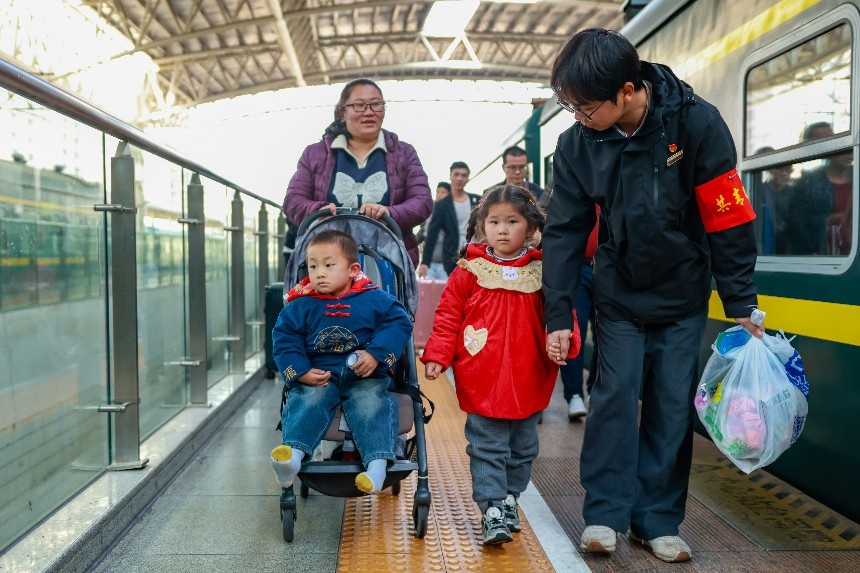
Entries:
{"x":365,"y":365}
{"x":757,"y":331}
{"x":432,"y":370}
{"x":422,"y":271}
{"x":374,"y":210}
{"x":558,"y":345}
{"x":315,"y":377}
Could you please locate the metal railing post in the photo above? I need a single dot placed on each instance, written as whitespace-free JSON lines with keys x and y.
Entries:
{"x":237,"y":282}
{"x":198,"y":351}
{"x":263,"y":254}
{"x":280,"y":241}
{"x":262,"y":269}
{"x":124,"y":330}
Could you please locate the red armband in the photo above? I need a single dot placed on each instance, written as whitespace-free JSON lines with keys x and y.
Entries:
{"x":724,"y":203}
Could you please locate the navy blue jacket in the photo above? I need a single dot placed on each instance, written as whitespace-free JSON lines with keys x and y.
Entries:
{"x":319,"y":331}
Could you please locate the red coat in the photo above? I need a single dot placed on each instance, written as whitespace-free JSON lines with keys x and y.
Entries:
{"x":489,"y":323}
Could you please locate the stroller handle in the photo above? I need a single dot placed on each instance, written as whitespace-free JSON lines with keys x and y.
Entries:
{"x":386,"y":220}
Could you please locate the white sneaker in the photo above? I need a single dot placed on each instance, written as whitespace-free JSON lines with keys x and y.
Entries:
{"x":576,"y":408}
{"x":669,"y":548}
{"x":598,"y":539}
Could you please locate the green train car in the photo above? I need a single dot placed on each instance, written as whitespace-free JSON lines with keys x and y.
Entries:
{"x":784,"y":75}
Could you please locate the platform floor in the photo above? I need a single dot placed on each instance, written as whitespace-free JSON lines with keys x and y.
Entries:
{"x":221,"y":513}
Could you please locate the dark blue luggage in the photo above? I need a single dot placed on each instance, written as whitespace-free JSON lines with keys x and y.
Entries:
{"x":272,"y":308}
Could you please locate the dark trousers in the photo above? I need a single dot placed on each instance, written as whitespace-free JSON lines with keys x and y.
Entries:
{"x":636,"y":474}
{"x":501,"y":453}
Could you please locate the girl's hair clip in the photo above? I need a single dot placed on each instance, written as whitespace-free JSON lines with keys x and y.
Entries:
{"x":532,"y":201}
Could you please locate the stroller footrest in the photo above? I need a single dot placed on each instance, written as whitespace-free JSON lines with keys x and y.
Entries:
{"x":337,"y":479}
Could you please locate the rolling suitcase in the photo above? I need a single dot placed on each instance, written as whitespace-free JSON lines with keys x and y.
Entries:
{"x":272,"y":308}
{"x":429,"y":292}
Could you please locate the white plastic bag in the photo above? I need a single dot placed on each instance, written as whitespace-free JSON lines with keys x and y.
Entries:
{"x":752,"y":398}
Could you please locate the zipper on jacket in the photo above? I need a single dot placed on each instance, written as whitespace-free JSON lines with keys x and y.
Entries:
{"x":656,"y":185}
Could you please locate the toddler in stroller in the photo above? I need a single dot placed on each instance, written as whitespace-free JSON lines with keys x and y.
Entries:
{"x":335,"y":344}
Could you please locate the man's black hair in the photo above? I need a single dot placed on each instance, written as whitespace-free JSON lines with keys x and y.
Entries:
{"x":444,"y":184}
{"x":513,"y":151}
{"x":593,"y":66}
{"x":460,"y":165}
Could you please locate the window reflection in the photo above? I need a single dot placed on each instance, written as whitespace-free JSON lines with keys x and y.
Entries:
{"x":813,"y":80}
{"x":806,"y":208}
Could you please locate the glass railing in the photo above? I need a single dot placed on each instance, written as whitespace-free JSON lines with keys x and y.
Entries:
{"x":118,"y":296}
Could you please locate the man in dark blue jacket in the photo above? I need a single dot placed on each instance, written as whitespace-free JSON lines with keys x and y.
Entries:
{"x":660,"y":163}
{"x":335,"y":343}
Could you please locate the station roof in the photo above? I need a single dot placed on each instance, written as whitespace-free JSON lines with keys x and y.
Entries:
{"x":208,"y":50}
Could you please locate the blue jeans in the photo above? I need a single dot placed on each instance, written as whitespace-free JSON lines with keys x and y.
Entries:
{"x":571,"y":375}
{"x":369,"y":408}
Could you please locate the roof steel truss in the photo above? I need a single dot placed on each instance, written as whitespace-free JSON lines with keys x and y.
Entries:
{"x":213,"y":49}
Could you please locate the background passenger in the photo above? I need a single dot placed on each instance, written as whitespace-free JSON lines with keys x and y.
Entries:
{"x":820,"y":218}
{"x":774,"y":208}
{"x":359,"y":165}
{"x":436,"y":270}
{"x":451,"y":217}
{"x":515,"y":164}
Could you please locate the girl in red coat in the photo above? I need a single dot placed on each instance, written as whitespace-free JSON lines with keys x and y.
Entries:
{"x":489,"y":324}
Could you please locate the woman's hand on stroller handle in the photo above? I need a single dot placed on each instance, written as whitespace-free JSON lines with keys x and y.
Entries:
{"x":374,"y":210}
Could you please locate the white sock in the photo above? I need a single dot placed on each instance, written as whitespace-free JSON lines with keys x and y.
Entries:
{"x":286,"y":462}
{"x":371,"y":480}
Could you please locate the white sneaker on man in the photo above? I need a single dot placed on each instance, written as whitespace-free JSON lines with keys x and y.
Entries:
{"x":669,"y":548}
{"x":598,"y":539}
{"x":576,"y":408}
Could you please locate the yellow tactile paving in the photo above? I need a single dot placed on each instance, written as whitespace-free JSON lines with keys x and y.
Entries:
{"x":377,"y":530}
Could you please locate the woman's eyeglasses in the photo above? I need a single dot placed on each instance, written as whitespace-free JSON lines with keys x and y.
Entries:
{"x":376,"y":106}
{"x":577,"y":111}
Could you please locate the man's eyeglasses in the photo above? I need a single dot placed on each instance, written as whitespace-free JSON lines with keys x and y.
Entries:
{"x":577,"y":111}
{"x":516,"y":167}
{"x":376,"y":106}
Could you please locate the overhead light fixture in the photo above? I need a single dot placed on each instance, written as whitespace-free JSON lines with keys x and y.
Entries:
{"x":448,"y":19}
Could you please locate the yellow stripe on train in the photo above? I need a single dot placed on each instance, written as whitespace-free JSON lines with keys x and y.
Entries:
{"x":824,"y":320}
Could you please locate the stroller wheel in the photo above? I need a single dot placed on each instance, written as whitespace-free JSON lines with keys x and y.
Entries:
{"x":395,"y":488}
{"x":419,"y":515}
{"x":288,"y":522}
{"x":304,"y":489}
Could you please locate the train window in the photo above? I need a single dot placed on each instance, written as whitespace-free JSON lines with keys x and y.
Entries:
{"x":800,"y":95}
{"x":805,"y":208}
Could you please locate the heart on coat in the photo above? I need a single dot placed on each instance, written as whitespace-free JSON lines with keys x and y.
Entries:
{"x":474,"y":340}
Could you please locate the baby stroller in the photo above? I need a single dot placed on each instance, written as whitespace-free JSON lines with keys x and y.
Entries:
{"x":385,"y":260}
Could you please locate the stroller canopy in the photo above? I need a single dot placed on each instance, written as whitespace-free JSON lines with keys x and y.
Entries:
{"x":367,"y":231}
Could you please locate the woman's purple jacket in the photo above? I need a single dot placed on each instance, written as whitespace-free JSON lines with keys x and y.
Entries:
{"x":410,"y":202}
